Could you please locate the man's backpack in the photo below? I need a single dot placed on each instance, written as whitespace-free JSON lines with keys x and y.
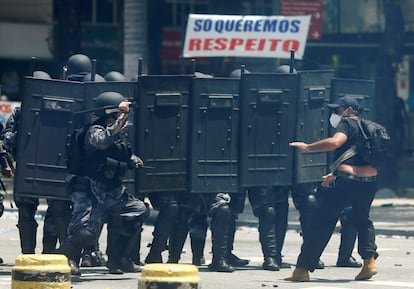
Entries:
{"x":375,"y":146}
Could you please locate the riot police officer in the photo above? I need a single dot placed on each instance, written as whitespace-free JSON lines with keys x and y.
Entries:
{"x":99,"y":157}
{"x":58,"y":212}
{"x":270,"y":205}
{"x":223,"y":211}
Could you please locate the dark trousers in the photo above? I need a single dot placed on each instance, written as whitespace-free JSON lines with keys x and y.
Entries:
{"x":343,"y":193}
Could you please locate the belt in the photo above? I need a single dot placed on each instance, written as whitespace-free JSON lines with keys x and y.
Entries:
{"x":355,"y":178}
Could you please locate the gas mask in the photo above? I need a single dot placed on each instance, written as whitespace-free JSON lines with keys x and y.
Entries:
{"x":335,"y":119}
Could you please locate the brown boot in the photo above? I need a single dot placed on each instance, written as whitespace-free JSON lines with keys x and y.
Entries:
{"x":299,"y":275}
{"x":369,"y":270}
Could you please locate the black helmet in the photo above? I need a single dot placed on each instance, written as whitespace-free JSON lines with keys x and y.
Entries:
{"x":41,"y":74}
{"x":78,"y":66}
{"x":114,"y":76}
{"x":237,"y":73}
{"x":109,"y":99}
{"x":98,"y":78}
{"x":284,"y":69}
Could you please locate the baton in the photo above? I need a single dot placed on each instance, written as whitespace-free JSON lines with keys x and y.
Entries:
{"x":148,"y":167}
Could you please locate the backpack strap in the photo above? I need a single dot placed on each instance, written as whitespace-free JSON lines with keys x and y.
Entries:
{"x":349,"y":153}
{"x":362,"y":129}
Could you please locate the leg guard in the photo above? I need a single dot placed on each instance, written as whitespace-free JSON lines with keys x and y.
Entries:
{"x":162,"y":231}
{"x":178,"y":236}
{"x":219,"y":231}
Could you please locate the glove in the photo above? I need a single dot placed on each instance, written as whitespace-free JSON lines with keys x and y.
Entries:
{"x":135,"y":162}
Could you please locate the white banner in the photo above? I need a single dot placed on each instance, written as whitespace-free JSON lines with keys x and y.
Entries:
{"x":245,"y":36}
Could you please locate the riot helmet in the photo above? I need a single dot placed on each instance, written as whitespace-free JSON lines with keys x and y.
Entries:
{"x":98,"y":78}
{"x":78,"y":66}
{"x":41,"y":74}
{"x":107,"y":103}
{"x":237,"y":73}
{"x":284,"y":69}
{"x":114,"y":76}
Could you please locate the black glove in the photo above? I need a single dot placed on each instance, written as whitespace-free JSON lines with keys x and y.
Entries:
{"x":135,"y":162}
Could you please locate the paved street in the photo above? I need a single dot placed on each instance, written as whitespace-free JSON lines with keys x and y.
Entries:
{"x":393,"y":219}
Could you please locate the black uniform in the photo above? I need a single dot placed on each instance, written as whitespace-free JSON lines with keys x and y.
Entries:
{"x":97,"y":190}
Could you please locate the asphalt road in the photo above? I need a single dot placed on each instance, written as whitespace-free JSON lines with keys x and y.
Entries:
{"x":395,"y":264}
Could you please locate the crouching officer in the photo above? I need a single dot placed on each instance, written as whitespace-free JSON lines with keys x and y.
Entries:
{"x":99,"y":156}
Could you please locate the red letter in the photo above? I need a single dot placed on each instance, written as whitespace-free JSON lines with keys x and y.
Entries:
{"x":273,"y":44}
{"x":220,"y":44}
{"x":195,"y":44}
{"x":235,"y":42}
{"x":250,"y":44}
{"x":289,"y":45}
{"x":208,"y":43}
{"x":262,"y":43}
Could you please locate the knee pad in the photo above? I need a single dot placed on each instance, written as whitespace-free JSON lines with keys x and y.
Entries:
{"x":84,"y":238}
{"x":27,"y":214}
{"x":268,"y":213}
{"x":170,"y":210}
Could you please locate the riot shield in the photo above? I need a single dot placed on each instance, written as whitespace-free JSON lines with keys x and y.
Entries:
{"x":214,"y":115}
{"x":361,"y":90}
{"x":162,"y":132}
{"x":312,"y":123}
{"x":267,"y":125}
{"x":129,"y":91}
{"x":44,"y":129}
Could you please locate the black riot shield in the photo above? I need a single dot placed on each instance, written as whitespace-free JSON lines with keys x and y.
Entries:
{"x":312,"y":123}
{"x":44,"y":129}
{"x":129,"y":91}
{"x":267,"y":125}
{"x":214,"y":114}
{"x":162,"y":132}
{"x":361,"y":90}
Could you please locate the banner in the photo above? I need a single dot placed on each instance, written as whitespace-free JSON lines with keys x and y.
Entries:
{"x":245,"y":36}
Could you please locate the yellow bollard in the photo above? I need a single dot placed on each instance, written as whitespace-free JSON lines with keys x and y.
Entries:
{"x":41,"y":271}
{"x":169,"y":276}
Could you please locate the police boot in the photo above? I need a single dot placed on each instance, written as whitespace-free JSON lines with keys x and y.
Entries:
{"x":135,"y":254}
{"x":61,"y":211}
{"x":73,"y":253}
{"x":49,"y":242}
{"x":231,"y":258}
{"x":27,"y":232}
{"x":127,"y":264}
{"x":219,"y":234}
{"x":197,"y":249}
{"x":348,"y":238}
{"x":267,"y":239}
{"x":281,"y":224}
{"x":369,"y":270}
{"x":298,"y":275}
{"x":162,"y":232}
